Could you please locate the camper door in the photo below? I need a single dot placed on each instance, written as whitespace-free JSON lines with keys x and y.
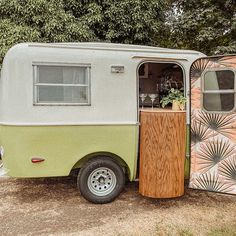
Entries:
{"x":213,"y":124}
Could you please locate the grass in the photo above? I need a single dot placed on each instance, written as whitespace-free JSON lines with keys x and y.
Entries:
{"x":228,"y":230}
{"x":169,"y":230}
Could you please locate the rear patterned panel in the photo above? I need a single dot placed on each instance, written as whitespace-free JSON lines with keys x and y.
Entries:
{"x":213,"y":135}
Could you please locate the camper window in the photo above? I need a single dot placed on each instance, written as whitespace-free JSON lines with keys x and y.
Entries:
{"x":61,"y":85}
{"x":219,"y":90}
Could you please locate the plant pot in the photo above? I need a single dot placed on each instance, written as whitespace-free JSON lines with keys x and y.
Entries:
{"x":175,"y":105}
{"x":181,"y":106}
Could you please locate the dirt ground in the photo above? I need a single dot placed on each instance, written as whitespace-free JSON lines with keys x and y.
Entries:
{"x":54,"y":207}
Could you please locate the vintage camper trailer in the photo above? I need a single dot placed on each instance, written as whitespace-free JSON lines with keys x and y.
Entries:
{"x":77,"y":106}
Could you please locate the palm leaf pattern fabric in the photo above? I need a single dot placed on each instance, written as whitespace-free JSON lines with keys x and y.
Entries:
{"x":213,"y":135}
{"x":227,"y":169}
{"x":211,"y":182}
{"x":213,"y":152}
{"x":199,"y":133}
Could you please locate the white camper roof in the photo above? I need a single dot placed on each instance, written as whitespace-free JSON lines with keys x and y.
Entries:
{"x":113,"y":47}
{"x":128,"y":51}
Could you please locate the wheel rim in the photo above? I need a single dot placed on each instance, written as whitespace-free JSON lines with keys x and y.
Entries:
{"x":102,"y":181}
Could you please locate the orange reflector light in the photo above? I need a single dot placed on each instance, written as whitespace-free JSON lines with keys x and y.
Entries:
{"x":36,"y":159}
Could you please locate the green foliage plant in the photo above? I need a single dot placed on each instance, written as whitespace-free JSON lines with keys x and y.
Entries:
{"x":53,"y":21}
{"x":208,"y":26}
{"x":173,"y":95}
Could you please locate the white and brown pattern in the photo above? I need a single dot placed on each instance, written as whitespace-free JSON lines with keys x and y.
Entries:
{"x":213,"y":136}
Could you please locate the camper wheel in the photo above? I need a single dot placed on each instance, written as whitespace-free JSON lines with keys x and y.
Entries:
{"x":101,"y":180}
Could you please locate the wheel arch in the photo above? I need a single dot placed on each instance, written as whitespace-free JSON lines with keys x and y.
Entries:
{"x":113,"y":156}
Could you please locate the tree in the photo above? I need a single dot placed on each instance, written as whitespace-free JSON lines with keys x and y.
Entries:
{"x":208,"y":26}
{"x":128,"y":21}
{"x":39,"y":21}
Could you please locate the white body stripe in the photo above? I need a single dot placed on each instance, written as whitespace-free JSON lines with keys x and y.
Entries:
{"x":113,"y":95}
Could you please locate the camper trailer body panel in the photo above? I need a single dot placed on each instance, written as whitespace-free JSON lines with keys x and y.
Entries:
{"x":65,"y":135}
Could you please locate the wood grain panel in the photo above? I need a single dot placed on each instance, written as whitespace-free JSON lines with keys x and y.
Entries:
{"x":162,"y":154}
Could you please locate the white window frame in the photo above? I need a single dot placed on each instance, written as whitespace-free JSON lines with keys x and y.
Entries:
{"x":36,"y":102}
{"x":222,"y":91}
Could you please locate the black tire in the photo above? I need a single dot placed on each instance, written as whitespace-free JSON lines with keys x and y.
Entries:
{"x":97,"y":169}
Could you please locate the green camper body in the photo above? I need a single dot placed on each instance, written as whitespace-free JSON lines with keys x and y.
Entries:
{"x":66,"y":147}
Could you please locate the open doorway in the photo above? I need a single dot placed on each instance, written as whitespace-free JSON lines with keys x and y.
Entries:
{"x":162,"y":132}
{"x":155,"y":81}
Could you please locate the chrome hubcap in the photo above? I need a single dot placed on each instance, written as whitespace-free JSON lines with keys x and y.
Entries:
{"x":102,"y":181}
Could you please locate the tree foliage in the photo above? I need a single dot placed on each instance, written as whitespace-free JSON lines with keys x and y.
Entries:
{"x":41,"y":21}
{"x":128,"y":21}
{"x":205,"y":25}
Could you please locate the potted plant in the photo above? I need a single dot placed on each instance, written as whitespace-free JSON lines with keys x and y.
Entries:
{"x":176,"y":97}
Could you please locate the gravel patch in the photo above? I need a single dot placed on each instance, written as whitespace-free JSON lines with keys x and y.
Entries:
{"x":53,"y":206}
